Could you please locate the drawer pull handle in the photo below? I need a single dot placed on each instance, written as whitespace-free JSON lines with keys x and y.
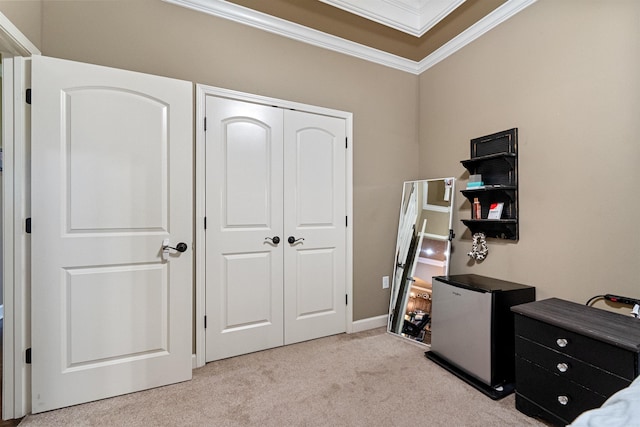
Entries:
{"x":562,"y":367}
{"x":563,"y":400}
{"x":562,"y":342}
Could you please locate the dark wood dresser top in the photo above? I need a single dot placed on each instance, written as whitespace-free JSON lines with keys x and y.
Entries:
{"x":613,"y":328}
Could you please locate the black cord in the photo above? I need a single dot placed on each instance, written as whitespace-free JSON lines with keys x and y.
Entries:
{"x":594,"y":298}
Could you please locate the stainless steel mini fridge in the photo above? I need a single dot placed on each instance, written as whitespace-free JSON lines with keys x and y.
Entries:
{"x":472,"y":332}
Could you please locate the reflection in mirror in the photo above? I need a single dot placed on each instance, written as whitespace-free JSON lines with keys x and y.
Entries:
{"x":422,"y":252}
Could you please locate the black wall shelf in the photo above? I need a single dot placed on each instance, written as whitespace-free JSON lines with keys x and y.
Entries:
{"x":495,"y":157}
{"x":508,"y":158}
{"x":500,"y":228}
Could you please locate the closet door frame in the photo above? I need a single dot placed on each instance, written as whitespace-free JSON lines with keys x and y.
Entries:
{"x":202,"y":91}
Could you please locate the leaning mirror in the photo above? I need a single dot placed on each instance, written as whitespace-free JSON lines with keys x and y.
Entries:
{"x":422,"y":252}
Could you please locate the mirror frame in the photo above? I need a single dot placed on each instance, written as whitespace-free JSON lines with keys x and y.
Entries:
{"x":409,"y":244}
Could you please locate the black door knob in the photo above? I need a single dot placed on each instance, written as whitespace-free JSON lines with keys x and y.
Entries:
{"x":181,"y":247}
{"x":275,"y":239}
{"x":293,"y":240}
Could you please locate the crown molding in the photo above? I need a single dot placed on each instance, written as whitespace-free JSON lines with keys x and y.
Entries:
{"x":272,"y":24}
{"x":411,"y":17}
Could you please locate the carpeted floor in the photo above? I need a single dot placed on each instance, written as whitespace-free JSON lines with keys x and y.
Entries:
{"x":364,"y":379}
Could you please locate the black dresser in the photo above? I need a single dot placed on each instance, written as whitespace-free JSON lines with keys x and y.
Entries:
{"x":570,"y":358}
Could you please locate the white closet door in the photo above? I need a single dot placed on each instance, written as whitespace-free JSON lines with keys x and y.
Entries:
{"x":244,"y":265}
{"x":314,"y":215}
{"x":112,"y":169}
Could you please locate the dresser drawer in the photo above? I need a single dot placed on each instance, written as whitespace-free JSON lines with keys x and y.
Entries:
{"x":608,"y":357}
{"x":568,"y":367}
{"x":550,"y":391}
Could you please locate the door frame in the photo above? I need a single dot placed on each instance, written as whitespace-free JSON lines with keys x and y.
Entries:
{"x":202,"y":91}
{"x":15,"y":48}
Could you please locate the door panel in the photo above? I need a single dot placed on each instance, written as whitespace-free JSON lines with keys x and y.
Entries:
{"x":316,"y":268}
{"x":246,"y":296}
{"x":111,"y":179}
{"x":314,"y":166}
{"x":247,"y":169}
{"x":314,"y":210}
{"x":244,"y":207}
{"x":95,"y":294}
{"x":102,"y":160}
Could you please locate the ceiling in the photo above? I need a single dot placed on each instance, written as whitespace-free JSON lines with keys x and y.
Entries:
{"x":410,"y":35}
{"x":413,"y":17}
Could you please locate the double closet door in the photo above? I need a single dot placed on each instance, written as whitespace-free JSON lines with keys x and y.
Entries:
{"x":276,"y":226}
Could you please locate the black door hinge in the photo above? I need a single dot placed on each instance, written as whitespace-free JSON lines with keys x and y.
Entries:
{"x":28,"y":96}
{"x":205,"y":124}
{"x":346,"y":143}
{"x":346,"y":299}
{"x":205,"y":322}
{"x":27,"y":356}
{"x":27,"y":226}
{"x":346,"y":221}
{"x":205,"y":222}
{"x":451,"y":235}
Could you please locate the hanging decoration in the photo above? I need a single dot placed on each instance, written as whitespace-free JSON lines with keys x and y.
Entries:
{"x":479,"y":249}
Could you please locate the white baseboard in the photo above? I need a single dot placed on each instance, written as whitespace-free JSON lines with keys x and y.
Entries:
{"x":370,"y":323}
{"x":357,"y":326}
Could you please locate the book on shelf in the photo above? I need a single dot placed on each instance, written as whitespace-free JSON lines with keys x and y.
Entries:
{"x":475,"y":185}
{"x":495,"y":211}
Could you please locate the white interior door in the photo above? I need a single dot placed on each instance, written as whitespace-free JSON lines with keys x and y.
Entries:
{"x":315,"y":220}
{"x":244,"y":295}
{"x":111,"y":179}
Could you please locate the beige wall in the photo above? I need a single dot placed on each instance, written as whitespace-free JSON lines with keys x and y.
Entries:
{"x":159,"y":38}
{"x":566,"y":73}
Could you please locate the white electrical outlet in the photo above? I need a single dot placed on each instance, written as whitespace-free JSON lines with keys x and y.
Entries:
{"x":385,"y":282}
